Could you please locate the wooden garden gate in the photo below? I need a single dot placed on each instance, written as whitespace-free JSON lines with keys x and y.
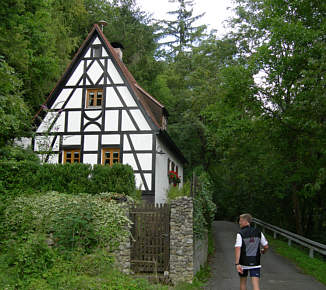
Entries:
{"x":150,"y":242}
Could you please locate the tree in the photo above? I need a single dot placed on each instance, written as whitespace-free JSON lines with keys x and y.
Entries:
{"x":182,"y":30}
{"x":285,"y":41}
{"x":14,"y":114}
{"x":36,"y":42}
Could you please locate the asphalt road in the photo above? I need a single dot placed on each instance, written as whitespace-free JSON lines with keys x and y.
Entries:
{"x":277,"y":273}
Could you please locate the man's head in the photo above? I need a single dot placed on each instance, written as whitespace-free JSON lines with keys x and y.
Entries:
{"x":245,"y":220}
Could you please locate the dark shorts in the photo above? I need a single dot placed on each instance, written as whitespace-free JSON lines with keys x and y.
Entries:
{"x":253,"y":273}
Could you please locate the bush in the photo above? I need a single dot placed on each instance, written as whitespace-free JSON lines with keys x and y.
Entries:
{"x":18,"y":177}
{"x":74,"y":221}
{"x":29,"y":176}
{"x":117,"y":178}
{"x":65,"y":178}
{"x":204,"y":208}
{"x":175,"y":191}
{"x":28,"y":256}
{"x":16,"y":153}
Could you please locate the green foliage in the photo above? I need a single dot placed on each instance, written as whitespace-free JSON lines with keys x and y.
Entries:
{"x":204,"y":208}
{"x":29,"y":176}
{"x":76,"y":271}
{"x":37,"y":40}
{"x":16,"y":153}
{"x":28,"y":256}
{"x":14,"y":113}
{"x":176,"y":191}
{"x":69,"y":178}
{"x":73,"y":221}
{"x":18,"y":177}
{"x":182,"y":30}
{"x":116,"y":178}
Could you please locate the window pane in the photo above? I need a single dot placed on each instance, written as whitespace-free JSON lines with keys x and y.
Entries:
{"x":99,"y":102}
{"x":76,"y":155}
{"x":76,"y":160}
{"x":115,"y":160}
{"x":115,"y":155}
{"x":91,"y":99}
{"x":97,"y":51}
{"x":68,"y":161}
{"x":107,"y":162}
{"x":68,"y":155}
{"x":107,"y":154}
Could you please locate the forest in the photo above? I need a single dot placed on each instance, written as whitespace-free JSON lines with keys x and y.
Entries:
{"x":249,"y":109}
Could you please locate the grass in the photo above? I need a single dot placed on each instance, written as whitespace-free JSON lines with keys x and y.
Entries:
{"x":315,"y":267}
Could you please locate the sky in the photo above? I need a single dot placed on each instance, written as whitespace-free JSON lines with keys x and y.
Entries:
{"x":215,"y":11}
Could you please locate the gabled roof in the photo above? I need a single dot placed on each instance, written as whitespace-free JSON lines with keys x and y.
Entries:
{"x":154,"y":109}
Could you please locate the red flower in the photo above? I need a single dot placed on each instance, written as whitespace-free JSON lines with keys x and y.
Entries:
{"x":174,"y":178}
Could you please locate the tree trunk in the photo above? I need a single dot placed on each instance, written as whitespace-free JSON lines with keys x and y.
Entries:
{"x":297,"y":211}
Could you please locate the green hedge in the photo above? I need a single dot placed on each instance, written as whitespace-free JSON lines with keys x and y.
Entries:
{"x":18,"y":177}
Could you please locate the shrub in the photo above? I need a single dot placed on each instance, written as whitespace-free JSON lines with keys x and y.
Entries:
{"x":18,"y":177}
{"x":74,"y":221}
{"x":117,"y":178}
{"x":175,"y":191}
{"x":204,"y":208}
{"x":29,"y":176}
{"x":65,"y":178}
{"x":29,"y":255}
{"x":16,"y":153}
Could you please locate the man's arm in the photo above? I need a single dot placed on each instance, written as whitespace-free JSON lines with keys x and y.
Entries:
{"x":237,"y":259}
{"x":264,"y":243}
{"x":264,"y":249}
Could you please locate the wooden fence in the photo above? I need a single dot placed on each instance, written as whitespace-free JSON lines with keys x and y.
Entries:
{"x":150,"y":242}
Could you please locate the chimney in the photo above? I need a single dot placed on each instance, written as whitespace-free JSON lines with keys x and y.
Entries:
{"x":118,"y":47}
{"x":102,"y":23}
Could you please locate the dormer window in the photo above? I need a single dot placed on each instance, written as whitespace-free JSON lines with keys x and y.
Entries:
{"x":97,"y":51}
{"x":94,"y":98}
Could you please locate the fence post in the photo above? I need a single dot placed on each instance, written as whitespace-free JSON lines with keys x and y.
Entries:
{"x":311,"y":252}
{"x":275,"y":235}
{"x":289,"y":242}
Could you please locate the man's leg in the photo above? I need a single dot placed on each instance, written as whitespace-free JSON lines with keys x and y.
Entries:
{"x":243,"y":283}
{"x":255,"y":283}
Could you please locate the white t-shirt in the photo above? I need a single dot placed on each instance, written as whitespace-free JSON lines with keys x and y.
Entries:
{"x":238,"y":243}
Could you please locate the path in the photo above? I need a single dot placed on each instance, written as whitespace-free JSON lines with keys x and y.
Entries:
{"x":277,"y":272}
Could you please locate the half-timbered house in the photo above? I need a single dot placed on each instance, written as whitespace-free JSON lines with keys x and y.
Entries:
{"x":98,"y":114}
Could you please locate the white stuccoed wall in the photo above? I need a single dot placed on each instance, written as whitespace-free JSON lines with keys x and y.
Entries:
{"x":161,"y":171}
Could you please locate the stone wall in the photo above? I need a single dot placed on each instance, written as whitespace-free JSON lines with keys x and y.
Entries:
{"x":181,"y":240}
{"x":187,"y":254}
{"x":122,"y":254}
{"x":200,"y":253}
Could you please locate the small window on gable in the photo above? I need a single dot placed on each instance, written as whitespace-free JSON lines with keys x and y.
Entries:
{"x":94,"y":98}
{"x":97,"y":51}
{"x":71,"y":156}
{"x":110,"y":156}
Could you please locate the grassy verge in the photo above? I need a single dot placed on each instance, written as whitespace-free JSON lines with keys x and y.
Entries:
{"x":315,"y":267}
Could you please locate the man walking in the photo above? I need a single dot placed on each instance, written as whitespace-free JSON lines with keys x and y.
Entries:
{"x":247,"y":252}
